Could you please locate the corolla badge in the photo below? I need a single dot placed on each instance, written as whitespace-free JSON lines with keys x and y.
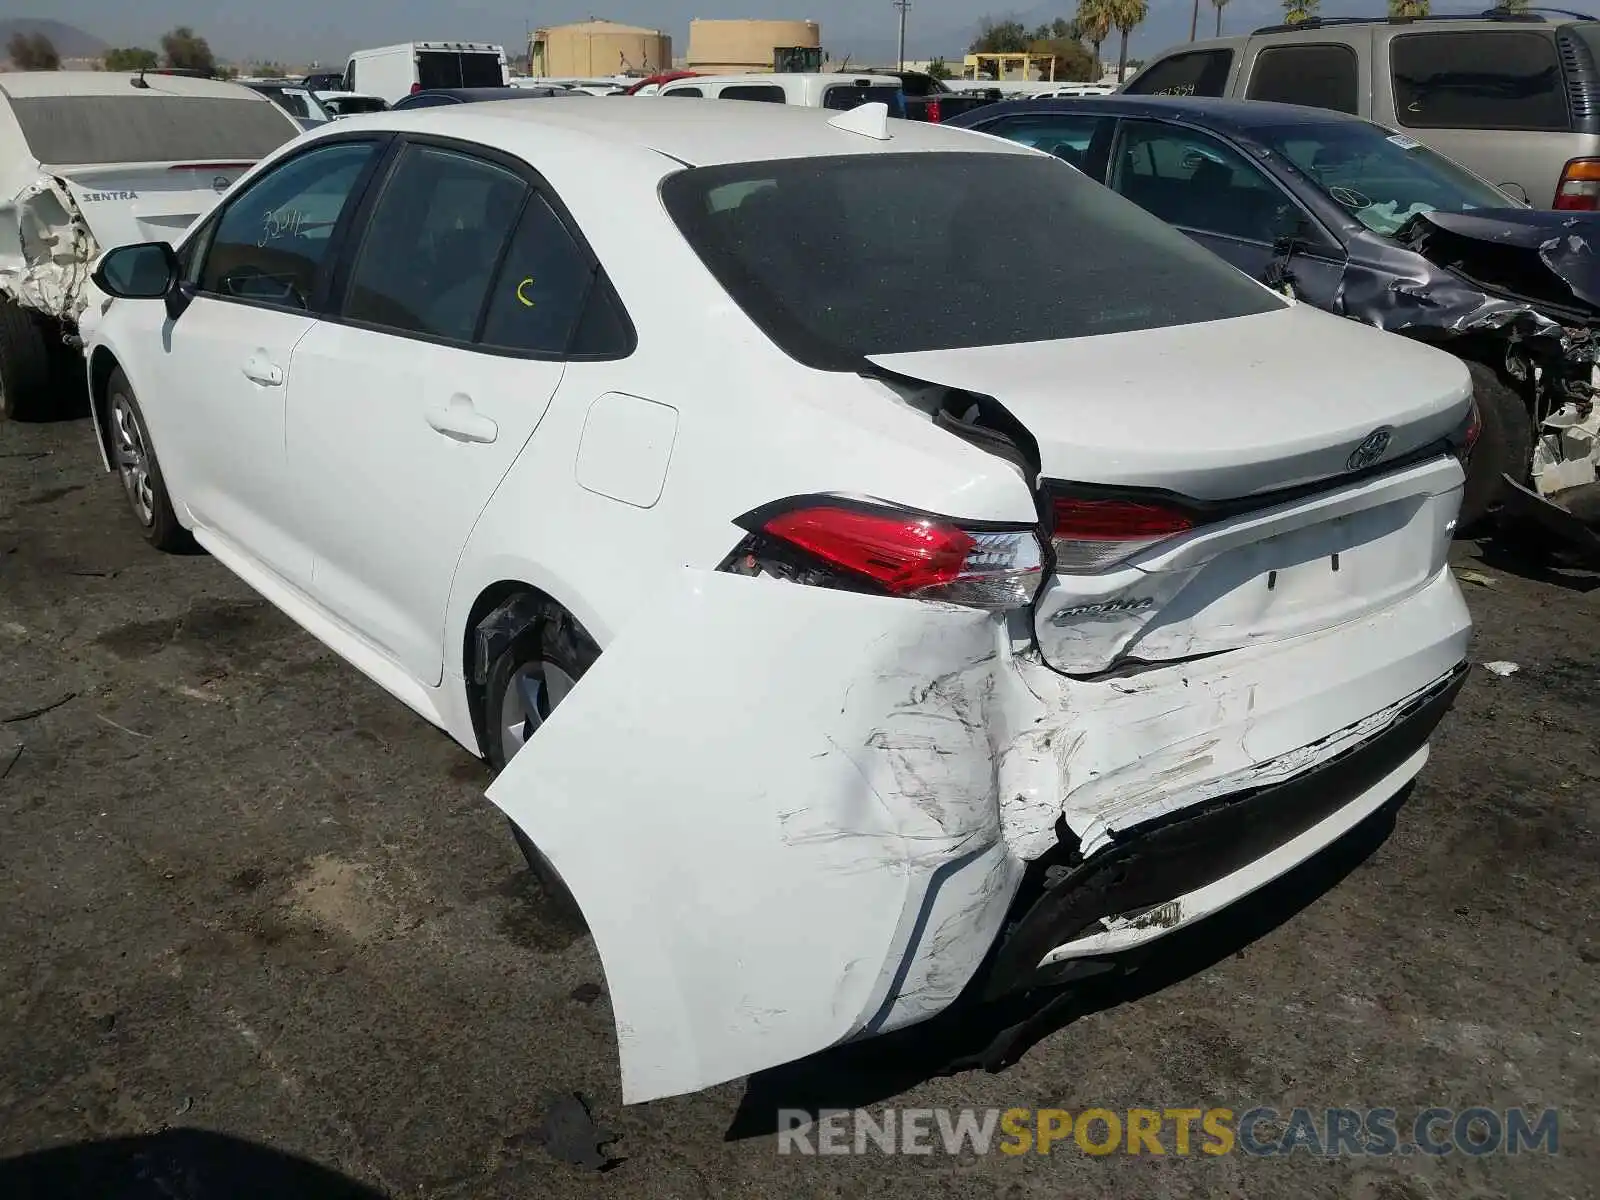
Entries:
{"x":1373,"y":447}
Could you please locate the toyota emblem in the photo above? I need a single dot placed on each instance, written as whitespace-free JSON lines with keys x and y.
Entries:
{"x":1372,"y":448}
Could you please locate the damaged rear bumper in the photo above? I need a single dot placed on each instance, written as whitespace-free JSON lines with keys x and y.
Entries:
{"x":795,"y":817}
{"x":1192,"y":863}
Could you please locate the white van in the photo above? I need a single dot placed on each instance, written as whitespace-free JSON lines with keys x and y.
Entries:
{"x":395,"y":71}
{"x":810,"y":90}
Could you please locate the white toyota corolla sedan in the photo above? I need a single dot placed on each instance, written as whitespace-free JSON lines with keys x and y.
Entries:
{"x":948,"y":575}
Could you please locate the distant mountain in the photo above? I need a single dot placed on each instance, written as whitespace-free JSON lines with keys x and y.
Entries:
{"x":69,"y":40}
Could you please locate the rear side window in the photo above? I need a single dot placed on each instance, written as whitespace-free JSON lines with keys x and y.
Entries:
{"x":432,"y":244}
{"x":1316,"y":76}
{"x":86,"y":130}
{"x":1068,"y":136}
{"x":771,"y":93}
{"x":826,"y":256}
{"x":681,"y":92}
{"x":1194,"y":73}
{"x":1483,"y":79}
{"x":542,"y":286}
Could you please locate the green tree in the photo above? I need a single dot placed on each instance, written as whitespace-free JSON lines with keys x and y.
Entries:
{"x":130,"y":58}
{"x":939,"y":69}
{"x":1093,"y":25}
{"x":1126,"y":15}
{"x":1296,"y":12}
{"x":1408,"y":9}
{"x":999,"y":37}
{"x":1069,"y":58}
{"x":1219,"y":5}
{"x":182,"y":48}
{"x":33,"y":52}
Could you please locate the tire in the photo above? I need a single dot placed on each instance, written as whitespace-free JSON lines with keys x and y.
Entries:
{"x":25,"y":374}
{"x":1505,"y":442}
{"x":133,"y":457}
{"x":529,"y":678}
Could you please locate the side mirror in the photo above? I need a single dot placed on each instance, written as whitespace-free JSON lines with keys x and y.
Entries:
{"x":147,"y":271}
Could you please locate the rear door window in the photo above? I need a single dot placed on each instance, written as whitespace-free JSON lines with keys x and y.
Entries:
{"x":1478,"y":79}
{"x":1316,"y":76}
{"x":771,"y":93}
{"x":1193,"y":73}
{"x":451,"y":68}
{"x":432,"y":244}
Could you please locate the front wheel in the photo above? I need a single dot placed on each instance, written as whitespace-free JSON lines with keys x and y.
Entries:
{"x":526,"y":682}
{"x":1505,"y":442}
{"x":133,"y":456}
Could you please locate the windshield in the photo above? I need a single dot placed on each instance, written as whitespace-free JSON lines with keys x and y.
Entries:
{"x":1384,"y":179}
{"x":837,"y":258}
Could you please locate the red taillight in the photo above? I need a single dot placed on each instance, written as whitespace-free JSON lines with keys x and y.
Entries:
{"x":933,"y":111}
{"x":1090,"y":535}
{"x":1579,"y":189}
{"x":908,"y":554}
{"x":415,"y":88}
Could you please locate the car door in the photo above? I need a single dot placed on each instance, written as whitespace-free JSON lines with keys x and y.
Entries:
{"x":1079,"y":138}
{"x":463,"y":288}
{"x":255,"y":279}
{"x":1216,"y":195}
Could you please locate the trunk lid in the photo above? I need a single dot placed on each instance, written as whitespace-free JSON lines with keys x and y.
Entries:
{"x":153,"y":202}
{"x":1260,"y":432}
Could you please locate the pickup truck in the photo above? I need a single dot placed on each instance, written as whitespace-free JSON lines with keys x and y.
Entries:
{"x":929,"y":99}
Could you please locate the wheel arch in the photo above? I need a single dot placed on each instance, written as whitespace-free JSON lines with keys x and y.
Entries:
{"x":102,"y":362}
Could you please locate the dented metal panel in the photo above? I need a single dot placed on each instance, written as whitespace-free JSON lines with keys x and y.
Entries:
{"x":46,"y":250}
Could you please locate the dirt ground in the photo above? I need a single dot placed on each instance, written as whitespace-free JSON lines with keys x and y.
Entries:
{"x":248,"y":899}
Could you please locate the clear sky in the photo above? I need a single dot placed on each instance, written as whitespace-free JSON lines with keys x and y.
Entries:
{"x":302,"y":29}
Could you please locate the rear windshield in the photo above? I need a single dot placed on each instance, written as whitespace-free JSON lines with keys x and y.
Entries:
{"x":837,"y":258}
{"x":459,"y":68}
{"x":853,"y":95}
{"x":89,"y":130}
{"x":1479,"y":79}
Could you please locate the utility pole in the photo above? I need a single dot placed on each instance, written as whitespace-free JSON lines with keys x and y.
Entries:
{"x":902,"y":5}
{"x":1194,"y":20}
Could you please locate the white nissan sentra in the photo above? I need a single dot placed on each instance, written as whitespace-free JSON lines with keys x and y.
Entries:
{"x":884,"y":565}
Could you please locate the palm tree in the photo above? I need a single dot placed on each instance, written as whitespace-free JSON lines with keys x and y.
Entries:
{"x":1219,"y":5}
{"x":1093,"y":22}
{"x":1126,"y":15}
{"x":1408,"y":9}
{"x":1297,"y":11}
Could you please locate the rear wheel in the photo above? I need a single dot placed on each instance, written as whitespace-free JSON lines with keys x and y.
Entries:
{"x":526,"y":683}
{"x":1505,"y":442}
{"x":24,"y":364}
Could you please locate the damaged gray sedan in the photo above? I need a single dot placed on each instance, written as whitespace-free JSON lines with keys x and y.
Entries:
{"x":1370,"y":224}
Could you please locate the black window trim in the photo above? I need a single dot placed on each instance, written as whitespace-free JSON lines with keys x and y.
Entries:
{"x":1555,"y":50}
{"x":350,"y":252}
{"x":1271,"y":47}
{"x":317,"y":303}
{"x":1330,"y":247}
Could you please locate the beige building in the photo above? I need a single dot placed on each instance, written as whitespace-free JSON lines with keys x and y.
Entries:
{"x":598,"y":48}
{"x":735,"y":47}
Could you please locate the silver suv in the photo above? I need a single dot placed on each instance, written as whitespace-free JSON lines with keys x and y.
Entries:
{"x":1515,"y":97}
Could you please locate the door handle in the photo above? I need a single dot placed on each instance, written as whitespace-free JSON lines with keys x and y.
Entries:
{"x":258,"y":369}
{"x":460,"y":422}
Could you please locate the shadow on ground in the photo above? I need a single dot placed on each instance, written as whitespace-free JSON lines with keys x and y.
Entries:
{"x":175,"y":1164}
{"x":997,"y":1035}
